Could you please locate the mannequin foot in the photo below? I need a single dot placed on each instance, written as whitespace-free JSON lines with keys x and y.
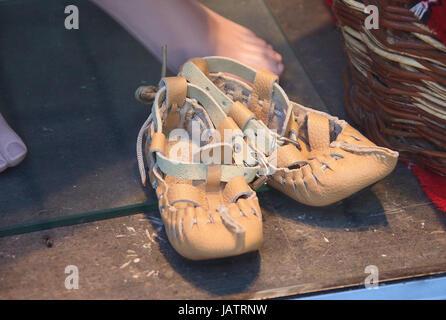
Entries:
{"x":12,"y":148}
{"x":235,"y":41}
{"x":189,"y":30}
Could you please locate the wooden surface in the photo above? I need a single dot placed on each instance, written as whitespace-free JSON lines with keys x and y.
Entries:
{"x":391,"y":225}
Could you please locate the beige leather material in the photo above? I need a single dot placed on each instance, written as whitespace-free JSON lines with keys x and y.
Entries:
{"x":324,"y":181}
{"x":195,"y":171}
{"x":292,"y":127}
{"x":219,"y":65}
{"x":158,"y":143}
{"x":213,"y":176}
{"x":343,"y":167}
{"x":334,"y":170}
{"x":196,"y":77}
{"x":241,"y":114}
{"x":235,"y":189}
{"x":200,"y":63}
{"x":231,"y":133}
{"x":318,"y":131}
{"x":262,"y":91}
{"x":215,"y":153}
{"x":198,"y":234}
{"x":175,"y":98}
{"x":181,"y":192}
{"x":172,"y":119}
{"x":334,"y":160}
{"x":176,"y":90}
{"x":198,"y":171}
{"x":287,"y":156}
{"x":228,"y":125}
{"x":207,"y":209}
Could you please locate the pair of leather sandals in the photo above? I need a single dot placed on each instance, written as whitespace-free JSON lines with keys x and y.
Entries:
{"x":220,"y":130}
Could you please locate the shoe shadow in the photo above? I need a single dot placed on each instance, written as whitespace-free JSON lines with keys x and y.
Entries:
{"x":359,"y":212}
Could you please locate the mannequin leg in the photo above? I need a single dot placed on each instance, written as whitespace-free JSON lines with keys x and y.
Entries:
{"x":190,"y":30}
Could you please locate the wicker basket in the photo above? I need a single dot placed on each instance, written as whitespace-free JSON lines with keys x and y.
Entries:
{"x":395,"y":83}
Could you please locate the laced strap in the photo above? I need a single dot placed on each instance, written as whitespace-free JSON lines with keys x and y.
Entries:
{"x":143,"y":132}
{"x":261,"y":140}
{"x":153,"y":127}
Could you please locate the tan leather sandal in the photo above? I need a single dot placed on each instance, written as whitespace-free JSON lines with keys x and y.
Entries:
{"x":318,"y":159}
{"x":208,"y":209}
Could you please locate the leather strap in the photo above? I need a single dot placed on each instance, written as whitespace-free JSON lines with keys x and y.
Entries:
{"x":292,"y":126}
{"x":195,"y":76}
{"x":176,"y":90}
{"x":186,"y":170}
{"x":262,"y":91}
{"x":241,"y":114}
{"x":236,"y":188}
{"x":213,"y":178}
{"x":158,"y":143}
{"x":236,"y":139}
{"x":198,"y":171}
{"x":216,"y":153}
{"x":218,"y":64}
{"x":318,"y":131}
{"x":215,"y":112}
{"x":200,"y":63}
{"x":228,"y":125}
